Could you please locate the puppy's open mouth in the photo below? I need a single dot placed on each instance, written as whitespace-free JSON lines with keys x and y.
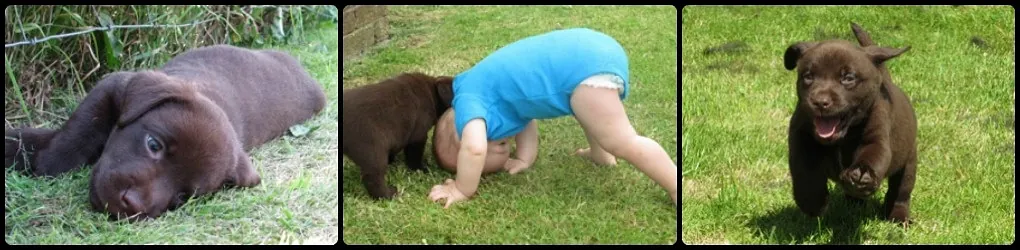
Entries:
{"x":826,"y":127}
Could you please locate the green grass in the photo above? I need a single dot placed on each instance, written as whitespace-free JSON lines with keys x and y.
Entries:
{"x":737,"y":106}
{"x":297,"y":202}
{"x":562,"y":199}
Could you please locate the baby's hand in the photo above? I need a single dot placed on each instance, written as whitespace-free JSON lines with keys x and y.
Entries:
{"x":514,"y":166}
{"x":447,"y":191}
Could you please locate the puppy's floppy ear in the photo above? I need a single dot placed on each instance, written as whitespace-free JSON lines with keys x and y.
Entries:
{"x":21,"y":144}
{"x":879,"y":55}
{"x":80,"y":140}
{"x":794,"y":52}
{"x":444,"y":88}
{"x":144,"y":92}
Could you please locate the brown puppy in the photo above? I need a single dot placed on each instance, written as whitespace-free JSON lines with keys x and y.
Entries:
{"x":851,"y":124}
{"x":380,"y":120}
{"x":158,"y":137}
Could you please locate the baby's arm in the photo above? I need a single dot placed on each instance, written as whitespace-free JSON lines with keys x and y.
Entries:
{"x":527,"y":149}
{"x":471,"y":158}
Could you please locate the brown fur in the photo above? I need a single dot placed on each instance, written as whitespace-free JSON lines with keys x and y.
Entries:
{"x":380,"y":120}
{"x":158,"y":137}
{"x":875,"y":136}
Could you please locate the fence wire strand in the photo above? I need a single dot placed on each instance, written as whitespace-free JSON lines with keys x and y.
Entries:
{"x":32,"y":41}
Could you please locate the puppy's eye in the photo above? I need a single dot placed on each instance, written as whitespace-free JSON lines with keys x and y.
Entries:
{"x":154,"y":145}
{"x":848,"y":79}
{"x":808,"y":77}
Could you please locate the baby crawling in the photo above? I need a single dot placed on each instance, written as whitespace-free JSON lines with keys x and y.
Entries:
{"x":446,"y":145}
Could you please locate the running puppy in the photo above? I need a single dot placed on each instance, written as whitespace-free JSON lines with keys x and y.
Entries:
{"x":851,"y":124}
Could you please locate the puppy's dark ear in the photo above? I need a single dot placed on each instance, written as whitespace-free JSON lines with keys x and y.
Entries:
{"x":80,"y":140}
{"x":879,"y":55}
{"x":144,"y":92}
{"x":862,"y":36}
{"x":794,"y":52}
{"x":21,"y":144}
{"x":444,"y":86}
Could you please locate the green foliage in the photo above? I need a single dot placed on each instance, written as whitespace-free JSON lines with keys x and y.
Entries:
{"x":50,"y":75}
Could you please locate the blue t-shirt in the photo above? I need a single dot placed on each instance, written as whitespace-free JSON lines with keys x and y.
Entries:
{"x":533,"y":78}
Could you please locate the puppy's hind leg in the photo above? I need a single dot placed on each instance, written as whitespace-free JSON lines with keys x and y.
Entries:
{"x":372,"y":162}
{"x":897,"y":198}
{"x":413,"y":154}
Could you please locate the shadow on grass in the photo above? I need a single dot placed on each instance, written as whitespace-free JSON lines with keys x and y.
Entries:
{"x":788,"y":225}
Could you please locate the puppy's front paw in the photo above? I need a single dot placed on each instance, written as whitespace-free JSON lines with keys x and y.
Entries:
{"x":859,"y":181}
{"x":850,"y":175}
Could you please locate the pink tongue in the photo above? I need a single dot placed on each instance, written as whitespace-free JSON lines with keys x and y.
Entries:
{"x":825,"y":127}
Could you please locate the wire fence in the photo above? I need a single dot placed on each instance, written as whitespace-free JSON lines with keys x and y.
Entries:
{"x":32,"y":41}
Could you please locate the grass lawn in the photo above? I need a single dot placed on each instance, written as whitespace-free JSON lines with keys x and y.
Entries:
{"x":562,"y":199}
{"x":737,"y":105}
{"x":297,"y":202}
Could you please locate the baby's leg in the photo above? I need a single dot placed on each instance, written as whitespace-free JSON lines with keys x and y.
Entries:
{"x":601,"y":114}
{"x":596,"y":153}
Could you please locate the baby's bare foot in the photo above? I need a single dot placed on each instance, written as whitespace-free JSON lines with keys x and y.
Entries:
{"x":602,"y":160}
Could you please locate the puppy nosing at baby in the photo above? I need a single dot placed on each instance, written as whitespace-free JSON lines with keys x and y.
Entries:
{"x":382,"y":119}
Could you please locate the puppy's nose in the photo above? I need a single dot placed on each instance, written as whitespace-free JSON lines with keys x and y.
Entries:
{"x":823,"y":102}
{"x":131,"y":202}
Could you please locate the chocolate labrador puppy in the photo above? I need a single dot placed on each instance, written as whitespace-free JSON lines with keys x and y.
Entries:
{"x":159,"y":137}
{"x":851,"y":124}
{"x":394,"y":115}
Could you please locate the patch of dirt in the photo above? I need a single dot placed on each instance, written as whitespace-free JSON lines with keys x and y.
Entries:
{"x":822,"y":34}
{"x":733,"y":47}
{"x":733,"y":67}
{"x":980,"y":43}
{"x":697,"y":189}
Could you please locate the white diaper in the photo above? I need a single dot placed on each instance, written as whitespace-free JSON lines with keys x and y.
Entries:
{"x":604,"y":80}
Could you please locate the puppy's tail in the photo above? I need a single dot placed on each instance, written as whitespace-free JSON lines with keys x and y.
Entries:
{"x":862,"y":36}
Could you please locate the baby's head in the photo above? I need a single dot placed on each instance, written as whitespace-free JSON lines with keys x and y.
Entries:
{"x":446,"y":147}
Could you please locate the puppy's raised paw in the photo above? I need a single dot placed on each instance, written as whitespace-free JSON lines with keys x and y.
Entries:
{"x":859,"y":182}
